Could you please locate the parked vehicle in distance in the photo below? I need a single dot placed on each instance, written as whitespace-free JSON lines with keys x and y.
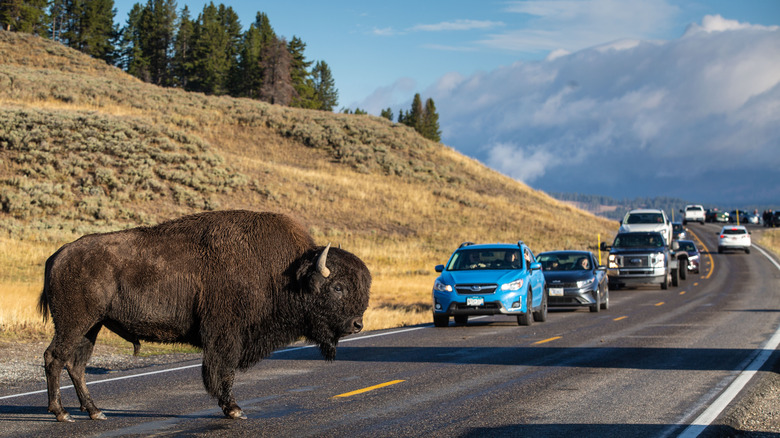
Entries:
{"x":693,"y":213}
{"x":678,"y":231}
{"x":734,"y":237}
{"x":575,"y":279}
{"x":647,"y":220}
{"x":743,"y":217}
{"x":490,"y":279}
{"x":694,"y":257}
{"x":715,"y":215}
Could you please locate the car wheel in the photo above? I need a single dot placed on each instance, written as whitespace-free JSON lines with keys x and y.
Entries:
{"x":441,"y":320}
{"x":605,"y":301}
{"x":684,"y":271}
{"x":747,"y":250}
{"x":461,"y":319}
{"x":597,"y":306}
{"x":526,"y":318}
{"x":675,"y":279}
{"x":665,"y":284}
{"x":720,"y":250}
{"x":541,"y":314}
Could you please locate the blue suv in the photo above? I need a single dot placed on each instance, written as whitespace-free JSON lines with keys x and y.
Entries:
{"x":490,"y":279}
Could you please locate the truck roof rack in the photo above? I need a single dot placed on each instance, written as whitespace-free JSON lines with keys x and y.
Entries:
{"x":466,"y":244}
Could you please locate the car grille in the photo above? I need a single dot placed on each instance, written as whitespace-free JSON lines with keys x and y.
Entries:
{"x":563,"y":285}
{"x":477,"y":288}
{"x":634,"y":261}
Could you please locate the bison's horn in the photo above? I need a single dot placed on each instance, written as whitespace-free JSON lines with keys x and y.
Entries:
{"x":321,"y":262}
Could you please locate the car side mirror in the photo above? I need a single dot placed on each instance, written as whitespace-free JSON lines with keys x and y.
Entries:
{"x":675,"y":245}
{"x":604,"y":246}
{"x":439,"y":268}
{"x":536,"y":266}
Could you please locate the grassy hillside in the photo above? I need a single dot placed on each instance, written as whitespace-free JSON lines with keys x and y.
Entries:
{"x":85,"y":148}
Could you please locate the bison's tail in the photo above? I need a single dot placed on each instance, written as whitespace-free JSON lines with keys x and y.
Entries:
{"x":43,"y":305}
{"x":43,"y":301}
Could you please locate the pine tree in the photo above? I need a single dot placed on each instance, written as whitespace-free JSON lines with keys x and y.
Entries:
{"x":157,"y":33}
{"x":430,"y":122}
{"x":325,"y":86}
{"x":414,"y":117}
{"x":387,"y":113}
{"x":27,"y":16}
{"x":57,"y":18}
{"x":89,"y":28}
{"x":216,"y":35}
{"x":300,"y":76}
{"x":181,"y":62}
{"x":132,"y":59}
{"x":248,"y":76}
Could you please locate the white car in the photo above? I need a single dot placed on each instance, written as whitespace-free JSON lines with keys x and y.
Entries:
{"x":734,"y":237}
{"x":647,"y":220}
{"x":693,"y":213}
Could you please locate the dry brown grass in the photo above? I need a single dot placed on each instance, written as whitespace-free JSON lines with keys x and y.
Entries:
{"x":70,"y":125}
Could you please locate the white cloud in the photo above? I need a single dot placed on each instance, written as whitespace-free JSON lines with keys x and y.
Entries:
{"x":697,"y":117}
{"x":575,"y":25}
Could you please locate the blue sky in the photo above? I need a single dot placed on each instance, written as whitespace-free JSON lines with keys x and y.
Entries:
{"x":496,"y":72}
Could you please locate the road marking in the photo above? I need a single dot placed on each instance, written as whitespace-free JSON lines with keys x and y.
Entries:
{"x":546,"y":340}
{"x":756,"y":362}
{"x":619,"y":318}
{"x":707,"y":251}
{"x":659,"y":304}
{"x":682,"y":292}
{"x":370,"y":388}
{"x":341,"y":341}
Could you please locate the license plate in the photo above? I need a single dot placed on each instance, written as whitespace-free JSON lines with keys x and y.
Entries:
{"x":475,"y":301}
{"x":556,"y":292}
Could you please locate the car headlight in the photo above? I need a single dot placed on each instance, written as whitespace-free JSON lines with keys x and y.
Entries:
{"x":441,"y":287}
{"x":584,"y":283}
{"x":696,"y":257}
{"x":515,"y":285}
{"x":657,"y":259}
{"x":612,"y":261}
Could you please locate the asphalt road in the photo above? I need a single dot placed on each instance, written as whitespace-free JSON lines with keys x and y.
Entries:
{"x":648,"y":366}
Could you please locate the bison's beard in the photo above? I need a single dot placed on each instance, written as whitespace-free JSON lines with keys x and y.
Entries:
{"x":328,"y":349}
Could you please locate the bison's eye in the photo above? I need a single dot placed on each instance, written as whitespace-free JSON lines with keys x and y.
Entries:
{"x":338,"y":291}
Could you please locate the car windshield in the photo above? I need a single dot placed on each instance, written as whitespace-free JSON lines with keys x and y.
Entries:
{"x":693,"y":209}
{"x":638,"y":240}
{"x":687,"y":246}
{"x":645,"y":218}
{"x":734,"y":231}
{"x":565,"y":262}
{"x":478,"y":259}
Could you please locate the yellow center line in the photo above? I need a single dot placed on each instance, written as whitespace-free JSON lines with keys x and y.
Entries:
{"x":660,"y":304}
{"x":682,"y":292}
{"x":704,"y":247}
{"x":370,"y":388}
{"x":546,"y":340}
{"x":619,"y":318}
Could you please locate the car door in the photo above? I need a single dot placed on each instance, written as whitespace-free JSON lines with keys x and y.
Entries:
{"x":536,"y":278}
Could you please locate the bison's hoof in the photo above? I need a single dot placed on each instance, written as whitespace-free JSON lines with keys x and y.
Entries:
{"x":98,"y":416}
{"x":65,"y":418}
{"x":236,"y":414}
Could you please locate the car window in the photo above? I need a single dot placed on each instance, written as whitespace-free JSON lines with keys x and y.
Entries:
{"x":734,"y":231}
{"x":565,"y":262}
{"x":687,"y":246}
{"x":478,"y":259}
{"x":645,"y":218}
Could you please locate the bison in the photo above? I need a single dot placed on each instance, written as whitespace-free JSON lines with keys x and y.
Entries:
{"x":237,"y":284}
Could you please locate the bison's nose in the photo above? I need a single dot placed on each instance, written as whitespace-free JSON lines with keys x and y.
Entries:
{"x":355,"y":325}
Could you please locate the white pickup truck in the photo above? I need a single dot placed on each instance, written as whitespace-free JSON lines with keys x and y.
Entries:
{"x":693,"y":213}
{"x":647,"y":220}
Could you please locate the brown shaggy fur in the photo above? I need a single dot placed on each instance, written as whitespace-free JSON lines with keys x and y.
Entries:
{"x":238,"y":284}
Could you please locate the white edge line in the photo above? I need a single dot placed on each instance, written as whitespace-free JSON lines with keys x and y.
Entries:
{"x":112,"y":379}
{"x":716,"y":408}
